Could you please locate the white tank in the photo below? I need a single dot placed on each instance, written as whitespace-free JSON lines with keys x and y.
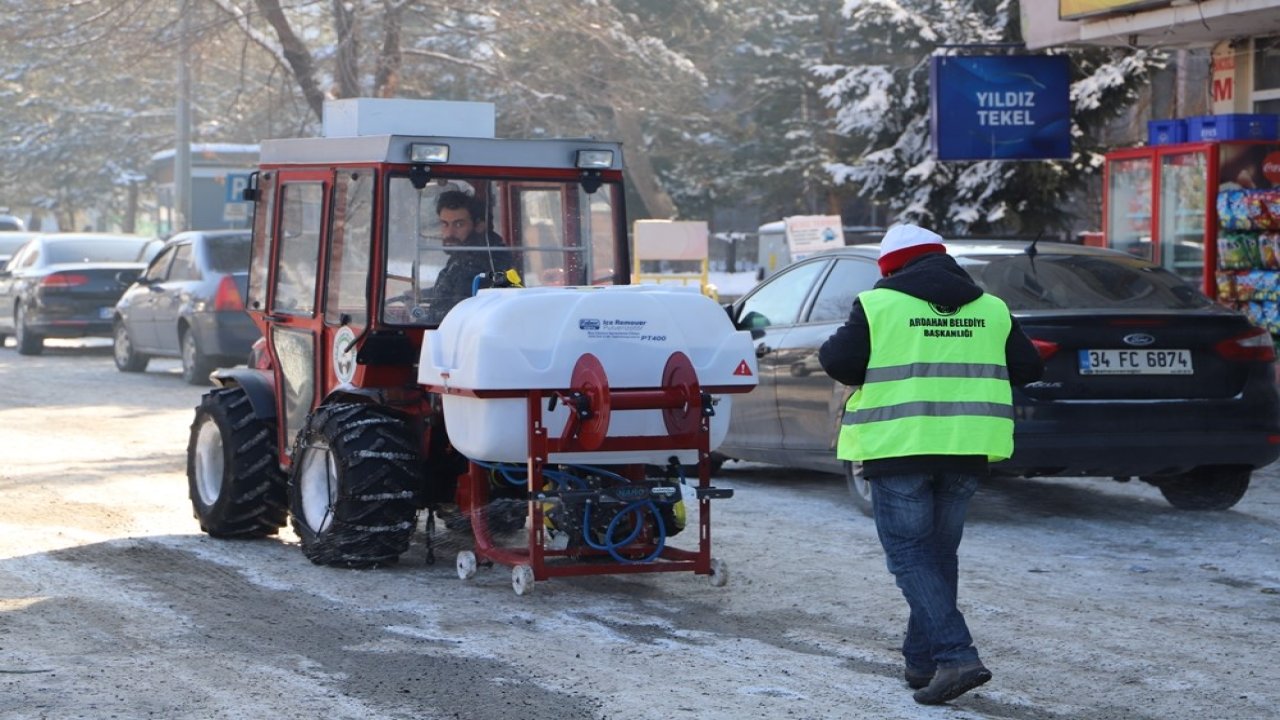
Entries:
{"x":522,"y":339}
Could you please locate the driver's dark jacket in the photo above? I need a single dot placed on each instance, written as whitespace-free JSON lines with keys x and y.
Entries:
{"x":454,"y":283}
{"x":936,"y":278}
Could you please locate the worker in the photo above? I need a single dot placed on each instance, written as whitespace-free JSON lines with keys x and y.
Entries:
{"x":934,"y":357}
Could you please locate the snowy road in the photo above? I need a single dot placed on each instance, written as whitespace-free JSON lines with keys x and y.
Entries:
{"x":1088,"y":599}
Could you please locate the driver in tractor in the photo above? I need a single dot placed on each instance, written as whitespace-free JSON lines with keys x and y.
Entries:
{"x":470,"y":245}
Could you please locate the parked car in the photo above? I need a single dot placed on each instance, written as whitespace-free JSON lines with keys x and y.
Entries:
{"x":66,"y":285}
{"x":1144,"y":376}
{"x":10,"y":241}
{"x":189,"y":304}
{"x":11,"y":222}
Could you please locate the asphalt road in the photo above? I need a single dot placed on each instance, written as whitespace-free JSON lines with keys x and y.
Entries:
{"x":1088,"y":598}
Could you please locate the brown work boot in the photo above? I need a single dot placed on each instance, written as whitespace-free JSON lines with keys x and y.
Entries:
{"x":951,"y":682}
{"x":917,"y":679}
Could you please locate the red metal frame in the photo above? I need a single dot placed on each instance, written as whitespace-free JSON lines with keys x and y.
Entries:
{"x":680,"y":397}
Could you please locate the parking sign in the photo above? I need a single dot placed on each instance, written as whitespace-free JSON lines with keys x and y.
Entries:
{"x":236,"y":184}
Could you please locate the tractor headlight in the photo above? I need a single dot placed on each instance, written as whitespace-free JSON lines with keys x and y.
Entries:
{"x":595,"y":159}
{"x":428,"y":153}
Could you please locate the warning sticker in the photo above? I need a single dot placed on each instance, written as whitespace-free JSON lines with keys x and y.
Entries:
{"x":743,"y":369}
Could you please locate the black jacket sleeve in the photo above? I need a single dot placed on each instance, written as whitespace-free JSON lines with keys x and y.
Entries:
{"x":845,"y":354}
{"x":1021,"y":357}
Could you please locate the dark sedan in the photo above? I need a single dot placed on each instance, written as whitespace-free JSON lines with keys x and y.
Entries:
{"x":65,"y":285}
{"x":189,"y":304}
{"x":1144,"y":376}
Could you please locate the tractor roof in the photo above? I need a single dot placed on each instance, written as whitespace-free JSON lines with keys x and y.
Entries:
{"x":470,"y":151}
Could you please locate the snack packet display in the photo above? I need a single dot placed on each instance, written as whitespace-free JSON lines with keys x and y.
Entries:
{"x":1238,"y":251}
{"x":1256,"y":210}
{"x":1226,"y":283}
{"x":1231,"y":210}
{"x":1269,"y":250}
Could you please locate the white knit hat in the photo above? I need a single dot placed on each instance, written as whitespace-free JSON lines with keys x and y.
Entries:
{"x":905,"y":242}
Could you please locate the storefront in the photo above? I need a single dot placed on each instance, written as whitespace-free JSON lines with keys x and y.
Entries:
{"x":1202,"y":196}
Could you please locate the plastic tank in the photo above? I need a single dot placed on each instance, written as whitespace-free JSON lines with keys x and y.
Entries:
{"x":525,"y":339}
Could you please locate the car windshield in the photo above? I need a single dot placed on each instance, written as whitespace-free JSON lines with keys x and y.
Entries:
{"x":1080,"y":282}
{"x":89,"y":250}
{"x":229,"y":253}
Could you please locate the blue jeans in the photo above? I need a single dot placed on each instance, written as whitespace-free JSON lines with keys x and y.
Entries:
{"x":920,"y":519}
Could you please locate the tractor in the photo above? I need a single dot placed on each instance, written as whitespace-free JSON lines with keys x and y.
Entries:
{"x":369,"y":241}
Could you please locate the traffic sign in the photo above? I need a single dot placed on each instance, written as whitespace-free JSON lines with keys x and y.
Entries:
{"x":236,"y":184}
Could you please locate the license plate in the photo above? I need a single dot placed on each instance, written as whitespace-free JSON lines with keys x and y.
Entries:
{"x":105,"y":313}
{"x":1135,"y":362}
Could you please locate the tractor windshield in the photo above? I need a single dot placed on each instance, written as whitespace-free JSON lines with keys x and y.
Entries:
{"x":454,"y":236}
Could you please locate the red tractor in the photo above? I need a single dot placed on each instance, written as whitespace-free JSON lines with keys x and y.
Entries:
{"x":363,"y":242}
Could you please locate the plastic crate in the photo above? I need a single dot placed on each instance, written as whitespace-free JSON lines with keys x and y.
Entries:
{"x":1233,"y":127}
{"x":1166,"y":132}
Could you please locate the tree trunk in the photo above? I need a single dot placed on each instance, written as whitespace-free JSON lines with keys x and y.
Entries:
{"x":386,"y":79}
{"x":346,"y":58}
{"x":296,"y":53}
{"x":644,"y":179}
{"x":131,"y":208}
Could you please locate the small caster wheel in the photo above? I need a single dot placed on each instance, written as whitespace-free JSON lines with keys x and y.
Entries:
{"x":719,"y":573}
{"x":522,"y":579}
{"x":466,"y":565}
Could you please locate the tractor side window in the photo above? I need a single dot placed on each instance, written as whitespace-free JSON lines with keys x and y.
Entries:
{"x":263,"y":234}
{"x":548,"y":261}
{"x":598,"y":227}
{"x":301,"y":208}
{"x":349,"y":252}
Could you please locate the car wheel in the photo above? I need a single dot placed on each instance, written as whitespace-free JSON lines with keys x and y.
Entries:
{"x":127,"y":358}
{"x":28,"y":342}
{"x":1205,"y":488}
{"x":234,"y":479}
{"x":859,"y":487}
{"x":195,"y":364}
{"x":351,"y":492}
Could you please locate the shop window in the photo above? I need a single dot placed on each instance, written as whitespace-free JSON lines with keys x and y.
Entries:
{"x":1266,"y":75}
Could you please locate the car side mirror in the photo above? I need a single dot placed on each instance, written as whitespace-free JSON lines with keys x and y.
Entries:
{"x":128,"y":277}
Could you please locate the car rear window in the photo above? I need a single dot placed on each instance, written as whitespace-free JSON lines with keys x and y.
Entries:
{"x":1080,"y":282}
{"x":87,"y":251}
{"x":229,"y":253}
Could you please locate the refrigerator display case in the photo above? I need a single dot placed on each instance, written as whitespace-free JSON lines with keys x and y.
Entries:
{"x":1207,"y":211}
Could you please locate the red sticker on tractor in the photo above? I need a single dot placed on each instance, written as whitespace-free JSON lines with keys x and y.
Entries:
{"x":743,"y":369}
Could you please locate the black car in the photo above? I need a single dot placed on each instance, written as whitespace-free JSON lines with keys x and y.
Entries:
{"x":189,"y":304}
{"x":1144,"y":376}
{"x":65,"y":285}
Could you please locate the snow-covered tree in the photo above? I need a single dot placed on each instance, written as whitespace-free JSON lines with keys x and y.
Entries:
{"x":880,"y":96}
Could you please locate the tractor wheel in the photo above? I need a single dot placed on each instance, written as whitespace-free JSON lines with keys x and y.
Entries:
{"x":351,"y":493}
{"x":233,"y":468}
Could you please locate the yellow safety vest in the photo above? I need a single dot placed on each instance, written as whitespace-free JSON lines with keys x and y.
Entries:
{"x":936,"y":381}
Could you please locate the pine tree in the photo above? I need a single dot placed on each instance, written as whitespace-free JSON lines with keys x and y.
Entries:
{"x":880,"y":96}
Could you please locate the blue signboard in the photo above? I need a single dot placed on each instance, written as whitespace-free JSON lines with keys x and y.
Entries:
{"x":1001,"y":108}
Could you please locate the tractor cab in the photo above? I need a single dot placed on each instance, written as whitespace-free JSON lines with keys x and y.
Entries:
{"x":364,"y":241}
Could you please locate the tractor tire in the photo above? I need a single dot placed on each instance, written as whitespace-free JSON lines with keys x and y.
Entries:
{"x":1206,"y":488}
{"x":233,"y":468}
{"x":352,"y":489}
